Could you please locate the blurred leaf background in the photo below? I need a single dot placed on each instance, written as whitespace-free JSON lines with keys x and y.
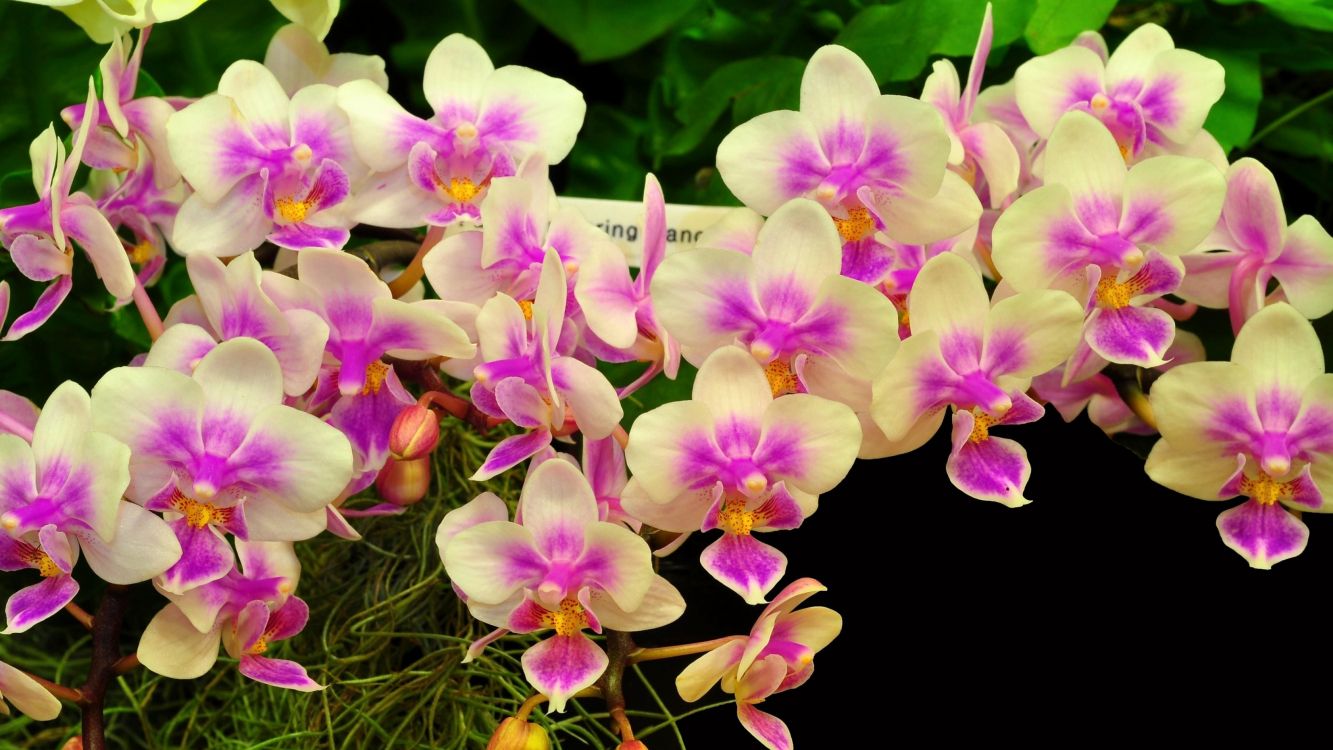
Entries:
{"x":664,"y":81}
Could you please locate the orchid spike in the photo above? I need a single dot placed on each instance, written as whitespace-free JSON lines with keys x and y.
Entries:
{"x":264,"y":166}
{"x":1108,"y":236}
{"x":486,"y":121}
{"x":979,"y":359}
{"x":38,"y":235}
{"x":1257,"y":426}
{"x":777,"y":655}
{"x":1147,"y":91}
{"x":1254,"y":246}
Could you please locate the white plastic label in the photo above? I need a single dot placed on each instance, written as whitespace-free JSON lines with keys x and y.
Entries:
{"x":623,"y":222}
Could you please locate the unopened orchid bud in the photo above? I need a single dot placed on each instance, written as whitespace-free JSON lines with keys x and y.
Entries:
{"x":415,"y":433}
{"x":518,"y":734}
{"x":632,"y":745}
{"x":404,"y":482}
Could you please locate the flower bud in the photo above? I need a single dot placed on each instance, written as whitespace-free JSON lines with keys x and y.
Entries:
{"x":415,"y":432}
{"x":517,"y":734}
{"x":632,"y":745}
{"x":404,"y":482}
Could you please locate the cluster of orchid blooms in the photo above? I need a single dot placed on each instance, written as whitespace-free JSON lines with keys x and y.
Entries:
{"x":842,"y":314}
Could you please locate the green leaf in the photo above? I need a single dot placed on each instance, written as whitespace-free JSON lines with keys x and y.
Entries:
{"x":1055,"y":23}
{"x":1310,"y":14}
{"x":607,"y":29}
{"x":1232,"y":119}
{"x":658,"y":391}
{"x":897,"y":41}
{"x":755,"y":86}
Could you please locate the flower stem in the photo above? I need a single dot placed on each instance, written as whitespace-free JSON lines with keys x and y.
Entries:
{"x":671,"y":652}
{"x":1286,"y":117}
{"x":106,"y":654}
{"x":414,"y":271}
{"x":80,"y":614}
{"x":459,"y":408}
{"x":621,"y":436}
{"x":56,"y":689}
{"x":151,"y":320}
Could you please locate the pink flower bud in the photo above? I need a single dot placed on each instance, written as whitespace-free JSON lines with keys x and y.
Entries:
{"x":415,"y":432}
{"x":405,"y":481}
{"x":632,"y":745}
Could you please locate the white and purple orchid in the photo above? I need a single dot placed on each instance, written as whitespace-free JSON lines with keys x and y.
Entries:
{"x":619,"y":310}
{"x":1260,"y":426}
{"x":28,"y":695}
{"x":522,"y":378}
{"x":125,"y":124}
{"x":298,"y":59}
{"x":486,"y":122}
{"x":787,"y":302}
{"x":737,"y":459}
{"x":219,"y":452}
{"x":38,"y":236}
{"x":60,"y":493}
{"x":1253,"y":246}
{"x":560,"y":569}
{"x":263,"y":166}
{"x":358,"y":390}
{"x":777,"y":655}
{"x":979,"y":359}
{"x":522,"y":220}
{"x":872,"y":160}
{"x":980,"y":151}
{"x":229,"y":303}
{"x":1146,"y":92}
{"x":1109,"y":236}
{"x":247,"y":611}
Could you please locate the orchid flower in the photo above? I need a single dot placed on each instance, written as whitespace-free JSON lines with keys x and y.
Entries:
{"x":1098,"y":394}
{"x":1254,"y":245}
{"x":105,"y":22}
{"x":124,"y":123}
{"x":220,"y":451}
{"x":247,"y":611}
{"x":1108,"y":236}
{"x":787,"y":302}
{"x":979,"y":359}
{"x":38,"y":235}
{"x":28,"y":696}
{"x":229,"y":303}
{"x":485,"y":122}
{"x":522,"y":378}
{"x":298,"y":59}
{"x":1147,"y":91}
{"x":778,"y":655}
{"x":133,"y":201}
{"x":63,"y":493}
{"x":365,"y":323}
{"x":736,"y":458}
{"x":561,"y":569}
{"x":873,"y":161}
{"x":1258,"y":426}
{"x":619,"y":310}
{"x":982,"y":152}
{"x":264,"y":166}
{"x":522,"y":221}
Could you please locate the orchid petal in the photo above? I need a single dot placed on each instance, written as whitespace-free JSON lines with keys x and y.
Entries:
{"x":745,"y":565}
{"x":172,"y":647}
{"x":1263,"y":534}
{"x":562,"y":665}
